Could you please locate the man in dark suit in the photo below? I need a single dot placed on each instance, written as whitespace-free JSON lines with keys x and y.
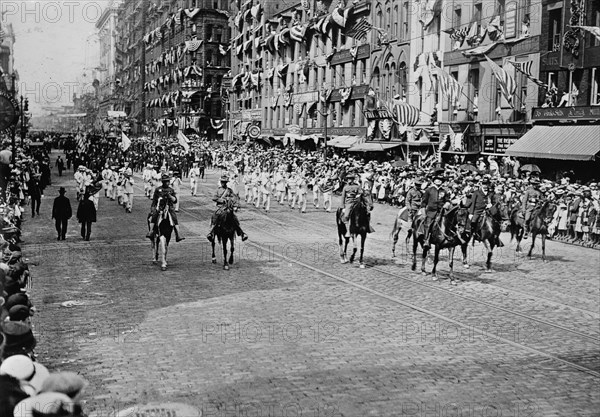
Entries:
{"x":61,"y":213}
{"x":433,"y":200}
{"x":480,"y":201}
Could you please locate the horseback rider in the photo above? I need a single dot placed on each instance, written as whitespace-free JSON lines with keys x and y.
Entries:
{"x":481,"y":200}
{"x":223,"y":194}
{"x":164,"y":191}
{"x":350,"y":194}
{"x":531,"y":198}
{"x":432,"y":202}
{"x":413,"y":199}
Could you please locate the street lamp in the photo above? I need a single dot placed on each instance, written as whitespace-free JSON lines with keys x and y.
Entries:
{"x":325,"y":115}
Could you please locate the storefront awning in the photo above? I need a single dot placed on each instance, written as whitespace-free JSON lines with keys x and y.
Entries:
{"x":579,"y":143}
{"x":373,"y":147}
{"x":342,"y":141}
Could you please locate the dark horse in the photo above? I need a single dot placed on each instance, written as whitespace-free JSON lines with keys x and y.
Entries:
{"x":541,"y":217}
{"x":359,"y":225}
{"x":162,"y":233}
{"x":493,"y":221}
{"x":448,"y":231}
{"x":225,"y":228}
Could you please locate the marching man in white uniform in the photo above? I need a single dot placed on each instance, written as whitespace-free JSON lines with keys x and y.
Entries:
{"x":176,"y":186}
{"x":128,"y":191}
{"x":106,"y":173}
{"x":194,"y":175}
{"x":147,"y":177}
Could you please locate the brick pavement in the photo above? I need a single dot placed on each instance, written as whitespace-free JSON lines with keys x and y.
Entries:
{"x":270,"y":337}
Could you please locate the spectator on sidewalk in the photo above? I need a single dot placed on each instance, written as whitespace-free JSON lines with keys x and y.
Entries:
{"x":61,"y":212}
{"x":86,"y":214}
{"x":35,"y":194}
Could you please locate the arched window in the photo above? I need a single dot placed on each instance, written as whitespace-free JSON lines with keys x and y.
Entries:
{"x":388,"y":17}
{"x":396,"y":20}
{"x":376,"y":77}
{"x":379,"y":16}
{"x":402,"y":78}
{"x":393,"y":78}
{"x":384,"y":81}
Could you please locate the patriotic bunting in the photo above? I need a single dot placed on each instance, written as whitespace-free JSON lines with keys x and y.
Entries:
{"x":191,"y":13}
{"x":405,"y":114}
{"x":429,"y":8}
{"x":594,"y":30}
{"x":193,"y":45}
{"x":507,"y":83}
{"x":345,"y":93}
{"x":385,"y":127}
{"x":256,"y":11}
{"x":322,"y":24}
{"x":340,"y":16}
{"x":297,"y":33}
{"x":287,"y":100}
{"x":274,"y":101}
{"x":224,"y":50}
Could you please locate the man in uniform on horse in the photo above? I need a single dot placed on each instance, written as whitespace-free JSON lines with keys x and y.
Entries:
{"x":433,"y":200}
{"x":223,"y":194}
{"x":531,"y":198}
{"x":164,"y":191}
{"x":350,"y":194}
{"x":480,"y":201}
{"x":413,"y":199}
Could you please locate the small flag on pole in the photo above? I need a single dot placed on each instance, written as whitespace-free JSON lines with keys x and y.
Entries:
{"x":183,"y":141}
{"x":125,"y":142}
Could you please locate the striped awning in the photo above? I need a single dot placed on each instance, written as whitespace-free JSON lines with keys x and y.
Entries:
{"x":343,"y":142}
{"x":373,"y":146}
{"x":576,"y":143}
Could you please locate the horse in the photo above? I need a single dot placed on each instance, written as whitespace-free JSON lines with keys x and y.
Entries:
{"x":224,"y":230}
{"x":359,"y":225}
{"x":448,"y":230}
{"x":493,"y":221}
{"x":541,"y":217}
{"x":401,"y":221}
{"x":163,"y":229}
{"x":517,"y":224}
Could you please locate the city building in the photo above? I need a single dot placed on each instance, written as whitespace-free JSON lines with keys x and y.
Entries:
{"x":566,"y":117}
{"x":7,"y":42}
{"x":108,"y":57}
{"x":172,"y":67}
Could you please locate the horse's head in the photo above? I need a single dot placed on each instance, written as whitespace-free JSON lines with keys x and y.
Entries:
{"x":161,"y":204}
{"x":499,"y":212}
{"x":547,"y":210}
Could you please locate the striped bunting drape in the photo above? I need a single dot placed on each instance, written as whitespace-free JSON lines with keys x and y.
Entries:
{"x":507,"y":83}
{"x":359,"y":29}
{"x":405,"y":114}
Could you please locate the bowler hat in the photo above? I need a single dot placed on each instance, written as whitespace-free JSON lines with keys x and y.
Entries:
{"x":165,"y":177}
{"x":62,"y":190}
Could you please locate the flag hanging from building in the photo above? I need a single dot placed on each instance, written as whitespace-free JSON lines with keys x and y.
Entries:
{"x":448,"y":85}
{"x":359,"y":29}
{"x":82,"y":143}
{"x":506,"y":82}
{"x":594,"y":30}
{"x":125,"y":142}
{"x":183,"y":141}
{"x":525,"y":68}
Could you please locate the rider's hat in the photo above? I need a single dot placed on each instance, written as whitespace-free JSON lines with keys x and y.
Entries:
{"x":165,"y":177}
{"x":224,"y":178}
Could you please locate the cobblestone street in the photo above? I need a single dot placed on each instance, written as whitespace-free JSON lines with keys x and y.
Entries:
{"x":290,"y":331}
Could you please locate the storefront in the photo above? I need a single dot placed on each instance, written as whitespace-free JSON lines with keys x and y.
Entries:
{"x":460,"y":142}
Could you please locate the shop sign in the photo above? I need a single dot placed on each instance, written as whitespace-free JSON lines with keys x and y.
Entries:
{"x":252,"y":115}
{"x":498,"y":144}
{"x":565,"y":113}
{"x":294,"y":129}
{"x":378,"y":114}
{"x":358,"y":92}
{"x":338,"y":131}
{"x":364,"y":51}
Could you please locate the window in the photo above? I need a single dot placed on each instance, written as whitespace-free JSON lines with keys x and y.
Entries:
{"x":477,"y":16}
{"x":342,"y":75}
{"x":218,"y":34}
{"x":208,"y":33}
{"x":334,"y":37}
{"x":456,"y":18}
{"x":554,"y":32}
{"x":376,"y":78}
{"x":393,"y":79}
{"x":351,"y":114}
{"x":388,"y":17}
{"x":363,"y":69}
{"x":396,"y":20}
{"x":454,"y":74}
{"x":595,"y":87}
{"x":596,"y":17}
{"x":379,"y":17}
{"x":353,"y":73}
{"x":209,"y":58}
{"x":473,"y":92}
{"x":342,"y":40}
{"x":402,"y":79}
{"x":333,"y":77}
{"x":405,"y":21}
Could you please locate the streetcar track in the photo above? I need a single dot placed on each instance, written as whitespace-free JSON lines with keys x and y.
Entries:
{"x":415,"y":307}
{"x":465,"y":275}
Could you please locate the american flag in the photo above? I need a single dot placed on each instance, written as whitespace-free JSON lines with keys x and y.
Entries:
{"x":459,"y":35}
{"x":525,"y":68}
{"x":507,"y":83}
{"x":82,"y":143}
{"x":449,"y":86}
{"x":406,"y":114}
{"x":359,"y":30}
